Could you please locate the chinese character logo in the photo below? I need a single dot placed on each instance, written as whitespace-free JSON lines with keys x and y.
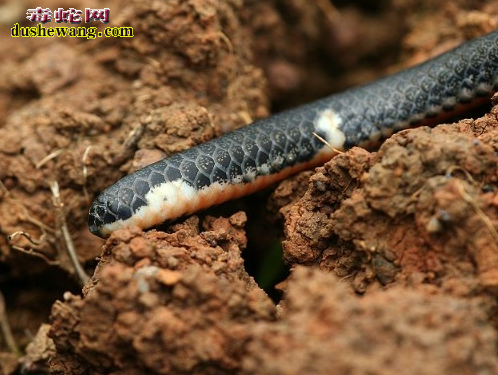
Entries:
{"x":39,"y":15}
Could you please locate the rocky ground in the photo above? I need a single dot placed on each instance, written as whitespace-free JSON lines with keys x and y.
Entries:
{"x":394,"y":252}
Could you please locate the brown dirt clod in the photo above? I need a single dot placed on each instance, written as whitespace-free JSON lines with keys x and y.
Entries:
{"x":395,"y":252}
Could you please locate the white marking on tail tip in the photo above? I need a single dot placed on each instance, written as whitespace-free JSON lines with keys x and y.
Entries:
{"x":328,"y":122}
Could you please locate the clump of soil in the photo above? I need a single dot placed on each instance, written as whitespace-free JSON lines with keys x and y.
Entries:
{"x":178,"y":303}
{"x":327,"y":330}
{"x":420,"y":210}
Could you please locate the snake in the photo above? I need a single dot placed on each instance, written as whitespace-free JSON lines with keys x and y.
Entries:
{"x":273,"y":148}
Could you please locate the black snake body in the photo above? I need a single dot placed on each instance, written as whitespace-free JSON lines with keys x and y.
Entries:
{"x":270,"y":149}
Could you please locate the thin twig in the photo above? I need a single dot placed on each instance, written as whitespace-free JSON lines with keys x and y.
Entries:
{"x":228,"y":42}
{"x":85,"y":172}
{"x":467,"y":174}
{"x":28,"y":236}
{"x":331,"y":12}
{"x":485,"y":219}
{"x":129,"y":144}
{"x":28,"y":217}
{"x":134,"y":136}
{"x":61,"y":218}
{"x":245,"y":116}
{"x":5,"y":327}
{"x":50,"y":156}
{"x":231,"y":53}
{"x":31,"y":251}
{"x":324,"y":141}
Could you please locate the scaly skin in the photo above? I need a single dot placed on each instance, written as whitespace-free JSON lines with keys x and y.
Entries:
{"x":267,"y":150}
